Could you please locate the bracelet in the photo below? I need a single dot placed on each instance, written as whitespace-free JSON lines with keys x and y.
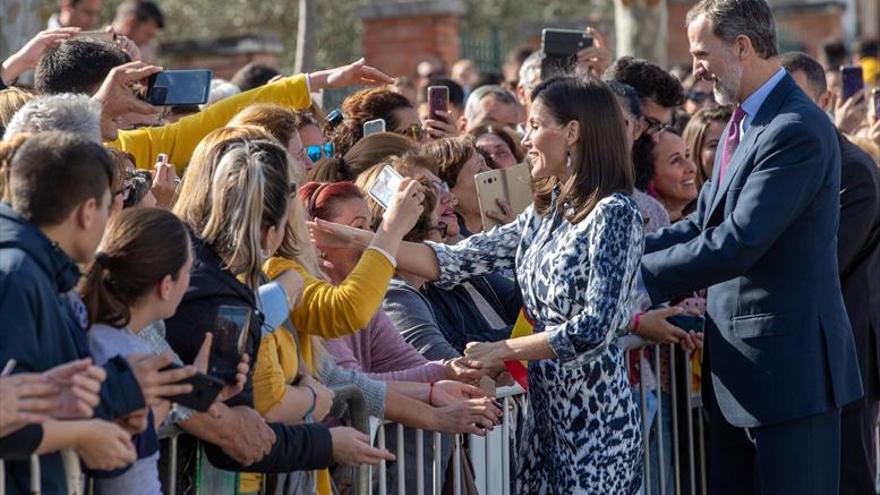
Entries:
{"x":430,"y":393}
{"x":307,"y":416}
{"x":637,"y":321}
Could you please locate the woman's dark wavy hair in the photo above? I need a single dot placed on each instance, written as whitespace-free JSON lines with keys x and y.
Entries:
{"x":363,"y":106}
{"x":605,"y":166}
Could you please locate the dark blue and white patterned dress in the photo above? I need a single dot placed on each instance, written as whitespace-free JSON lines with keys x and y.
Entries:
{"x":581,"y":433}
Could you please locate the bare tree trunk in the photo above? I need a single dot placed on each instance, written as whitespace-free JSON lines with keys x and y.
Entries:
{"x":19,"y":22}
{"x":641,"y":29}
{"x":306,"y":33}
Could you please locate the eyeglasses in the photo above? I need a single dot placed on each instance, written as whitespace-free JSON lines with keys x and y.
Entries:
{"x":293,"y":189}
{"x":414,"y":131}
{"x":318,"y":151}
{"x":699,"y":96}
{"x":654,"y":125}
{"x":441,"y":187}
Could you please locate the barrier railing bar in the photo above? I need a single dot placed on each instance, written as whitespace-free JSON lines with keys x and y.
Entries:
{"x":690,"y":425}
{"x":456,"y":464}
{"x":438,"y":463}
{"x":383,"y":482}
{"x":676,"y":456}
{"x":661,"y":457}
{"x":401,"y":466}
{"x":505,"y":446}
{"x":646,"y":431}
{"x":420,"y":462}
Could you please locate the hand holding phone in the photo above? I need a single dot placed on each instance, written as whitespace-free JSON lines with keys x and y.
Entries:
{"x":230,"y":339}
{"x":852,"y":80}
{"x":205,"y":390}
{"x":385,"y":186}
{"x":560,"y":48}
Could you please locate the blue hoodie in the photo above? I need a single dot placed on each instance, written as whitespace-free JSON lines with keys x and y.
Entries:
{"x":37,"y":330}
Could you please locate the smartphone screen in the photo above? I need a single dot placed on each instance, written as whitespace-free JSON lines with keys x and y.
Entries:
{"x":179,"y":87}
{"x":852,"y":80}
{"x":230,"y":339}
{"x":688,"y":323}
{"x":560,"y":47}
{"x":385,"y":186}
{"x":438,"y":99}
{"x":374,"y":126}
{"x":876,"y":95}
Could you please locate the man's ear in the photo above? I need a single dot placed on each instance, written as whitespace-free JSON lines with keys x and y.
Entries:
{"x":86,"y":213}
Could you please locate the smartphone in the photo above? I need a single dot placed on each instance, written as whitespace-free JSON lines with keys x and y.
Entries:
{"x":179,"y":87}
{"x":560,"y":47}
{"x":205,"y":390}
{"x":385,"y":186}
{"x":513,"y":185}
{"x":852,"y":80}
{"x":875,"y":94}
{"x":374,"y":126}
{"x":97,"y":34}
{"x":230,"y":340}
{"x":438,"y":99}
{"x":688,"y":323}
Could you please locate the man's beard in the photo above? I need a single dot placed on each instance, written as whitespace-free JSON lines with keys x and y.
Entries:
{"x":725,"y":89}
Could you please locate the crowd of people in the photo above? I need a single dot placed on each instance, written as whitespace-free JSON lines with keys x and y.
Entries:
{"x":743,"y":192}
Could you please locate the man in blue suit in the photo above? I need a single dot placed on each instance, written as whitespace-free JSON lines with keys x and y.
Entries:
{"x":779,"y":348}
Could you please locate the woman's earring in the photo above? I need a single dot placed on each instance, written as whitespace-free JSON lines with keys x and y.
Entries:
{"x":568,"y":159}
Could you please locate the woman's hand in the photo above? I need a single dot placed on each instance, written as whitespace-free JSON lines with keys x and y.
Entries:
{"x":104,"y":445}
{"x":486,"y":355}
{"x":328,"y":235}
{"x":851,"y":114}
{"x":241,"y":370}
{"x":352,"y":448}
{"x":353,"y":74}
{"x":594,"y":60}
{"x":446,"y":392}
{"x":137,"y":421}
{"x":458,"y":369}
{"x":653,"y":326}
{"x":474,"y":416}
{"x":27,"y":398}
{"x":405,"y":208}
{"x":504,"y":215}
{"x":444,"y":127}
{"x":165,"y":182}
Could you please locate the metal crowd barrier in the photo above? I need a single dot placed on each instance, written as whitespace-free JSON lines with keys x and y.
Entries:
{"x":491,"y":456}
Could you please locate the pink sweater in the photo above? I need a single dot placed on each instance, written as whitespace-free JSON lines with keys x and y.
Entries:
{"x":380,"y":351}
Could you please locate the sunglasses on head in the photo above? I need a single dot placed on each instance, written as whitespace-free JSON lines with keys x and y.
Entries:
{"x":318,"y":151}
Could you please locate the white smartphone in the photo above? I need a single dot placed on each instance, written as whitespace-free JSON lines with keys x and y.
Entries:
{"x":385,"y":186}
{"x":374,"y":126}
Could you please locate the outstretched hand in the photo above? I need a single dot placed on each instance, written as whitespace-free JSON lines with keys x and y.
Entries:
{"x":353,"y":74}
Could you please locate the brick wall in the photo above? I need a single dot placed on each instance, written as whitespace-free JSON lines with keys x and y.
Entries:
{"x":224,"y":55}
{"x":398,"y":35}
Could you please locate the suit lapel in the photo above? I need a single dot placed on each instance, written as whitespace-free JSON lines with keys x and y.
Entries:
{"x":765,"y":115}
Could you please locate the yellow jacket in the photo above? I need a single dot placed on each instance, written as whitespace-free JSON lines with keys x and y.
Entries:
{"x":179,"y":140}
{"x":326,"y":310}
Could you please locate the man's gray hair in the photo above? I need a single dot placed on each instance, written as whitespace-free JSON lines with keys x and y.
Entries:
{"x":530,"y":71}
{"x":75,"y":113}
{"x":473,"y":110}
{"x":731,"y":18}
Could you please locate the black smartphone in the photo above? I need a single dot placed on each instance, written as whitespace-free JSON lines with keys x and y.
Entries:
{"x":438,"y":99}
{"x":205,"y":390}
{"x":852,"y":80}
{"x":179,"y":87}
{"x":688,"y":323}
{"x":560,"y":47}
{"x":230,"y":338}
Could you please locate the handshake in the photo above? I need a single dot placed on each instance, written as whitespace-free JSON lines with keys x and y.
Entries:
{"x":481,"y":359}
